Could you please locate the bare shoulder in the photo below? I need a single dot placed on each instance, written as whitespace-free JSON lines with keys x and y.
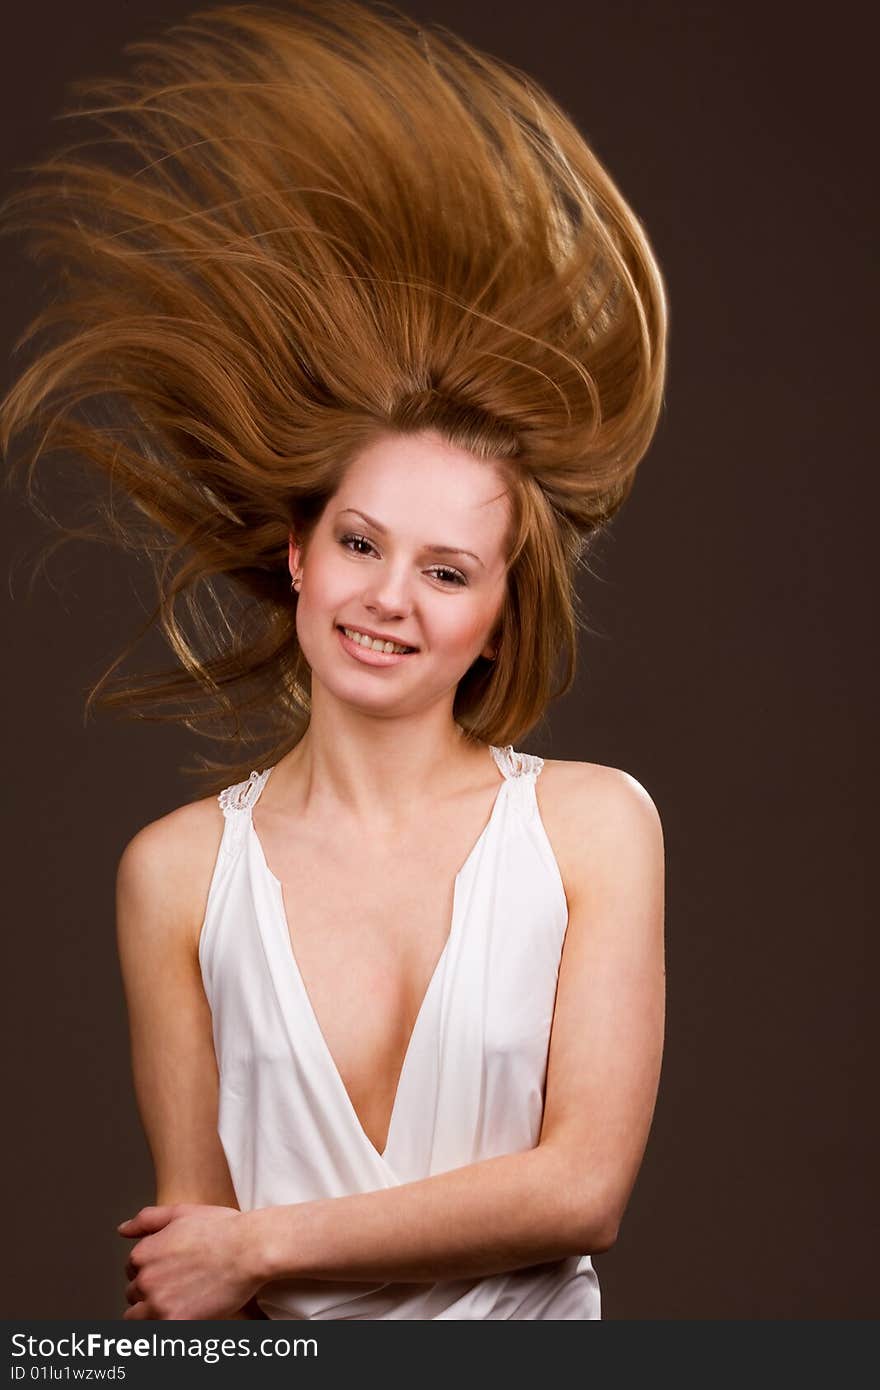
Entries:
{"x":164,"y":872}
{"x":595,"y":791}
{"x":600,"y":820}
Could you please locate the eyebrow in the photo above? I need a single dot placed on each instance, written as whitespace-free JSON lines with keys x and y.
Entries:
{"x":432,"y":549}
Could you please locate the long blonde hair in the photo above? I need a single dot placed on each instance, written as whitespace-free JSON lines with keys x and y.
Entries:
{"x":324,"y":222}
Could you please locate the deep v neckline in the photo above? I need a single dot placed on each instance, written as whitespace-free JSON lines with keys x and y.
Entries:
{"x":300,"y":984}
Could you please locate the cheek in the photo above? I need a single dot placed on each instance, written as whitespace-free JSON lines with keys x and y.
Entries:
{"x":328,"y":586}
{"x":460,"y":628}
{"x":319,"y":601}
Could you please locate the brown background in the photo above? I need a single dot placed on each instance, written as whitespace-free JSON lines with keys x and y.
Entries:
{"x":730,"y":669}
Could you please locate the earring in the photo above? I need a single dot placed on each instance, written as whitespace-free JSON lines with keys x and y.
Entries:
{"x":297,"y":581}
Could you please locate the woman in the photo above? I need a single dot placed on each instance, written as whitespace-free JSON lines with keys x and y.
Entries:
{"x":381,"y":345}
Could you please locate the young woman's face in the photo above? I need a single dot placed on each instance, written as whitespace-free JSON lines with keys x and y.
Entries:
{"x":410,"y":549}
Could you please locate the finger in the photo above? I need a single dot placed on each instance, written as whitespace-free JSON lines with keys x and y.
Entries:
{"x":138,"y":1310}
{"x":146,"y":1220}
{"x":133,"y":1225}
{"x":132,"y":1292}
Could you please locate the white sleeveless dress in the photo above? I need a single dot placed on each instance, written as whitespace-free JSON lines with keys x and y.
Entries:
{"x":472,"y":1082}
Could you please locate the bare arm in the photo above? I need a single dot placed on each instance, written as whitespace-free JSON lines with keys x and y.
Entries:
{"x":161,"y":891}
{"x":568,"y":1195}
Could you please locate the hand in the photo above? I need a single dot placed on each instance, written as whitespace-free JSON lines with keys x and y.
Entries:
{"x":191,"y":1262}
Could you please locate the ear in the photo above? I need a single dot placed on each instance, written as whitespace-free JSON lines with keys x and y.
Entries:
{"x":490,"y":650}
{"x":293,"y":555}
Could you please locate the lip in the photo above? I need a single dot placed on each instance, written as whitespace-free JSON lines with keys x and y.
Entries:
{"x":379,"y":636}
{"x":370,"y":658}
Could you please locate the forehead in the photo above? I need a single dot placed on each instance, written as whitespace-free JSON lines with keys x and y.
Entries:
{"x":417,"y":483}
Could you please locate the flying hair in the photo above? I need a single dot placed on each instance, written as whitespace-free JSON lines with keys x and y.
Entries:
{"x":298,"y":228}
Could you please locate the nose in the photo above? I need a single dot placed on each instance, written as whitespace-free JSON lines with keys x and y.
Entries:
{"x":389,"y":592}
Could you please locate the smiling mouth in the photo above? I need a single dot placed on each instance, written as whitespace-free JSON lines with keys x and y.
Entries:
{"x":372,"y":644}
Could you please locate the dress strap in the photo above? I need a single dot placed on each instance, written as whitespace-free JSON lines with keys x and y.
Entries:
{"x":237,"y":802}
{"x":515,"y":765}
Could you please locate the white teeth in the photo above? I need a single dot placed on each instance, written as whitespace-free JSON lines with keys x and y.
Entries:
{"x":373,"y":643}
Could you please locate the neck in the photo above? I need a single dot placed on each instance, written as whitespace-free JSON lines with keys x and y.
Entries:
{"x":377,"y":768}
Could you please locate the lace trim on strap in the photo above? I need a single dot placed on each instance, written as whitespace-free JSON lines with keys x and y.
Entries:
{"x":236,"y":802}
{"x":515,"y":764}
{"x":242,"y":795}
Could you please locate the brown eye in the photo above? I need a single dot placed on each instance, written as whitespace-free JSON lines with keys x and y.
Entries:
{"x":358,"y":540}
{"x":449,"y":575}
